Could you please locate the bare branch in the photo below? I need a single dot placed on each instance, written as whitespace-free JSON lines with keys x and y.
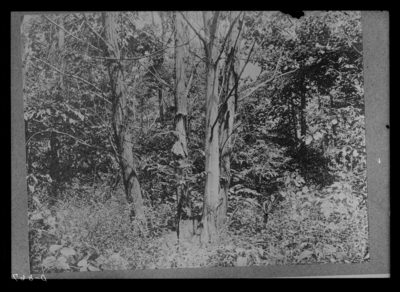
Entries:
{"x":195,"y":31}
{"x":233,"y":88}
{"x":227,"y":36}
{"x":92,"y":29}
{"x":158,"y":78}
{"x":71,"y":34}
{"x":76,"y":77}
{"x":190,"y":81}
{"x":204,"y":60}
{"x":263,"y":83}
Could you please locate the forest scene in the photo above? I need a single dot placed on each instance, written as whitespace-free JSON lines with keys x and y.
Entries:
{"x":174,"y":139}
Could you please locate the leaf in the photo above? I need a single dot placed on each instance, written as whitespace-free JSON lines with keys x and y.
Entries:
{"x":49,"y":261}
{"x":55,"y":247}
{"x":337,"y":185}
{"x":37,"y":216}
{"x":62,"y":265}
{"x":304,"y":254}
{"x":334,"y":121}
{"x":82,"y":263}
{"x":241,"y":261}
{"x":308,"y":140}
{"x":62,"y":260}
{"x":93,"y":269}
{"x":83,"y":269}
{"x":115,"y":257}
{"x":355,"y":153}
{"x":31,"y":188}
{"x":67,"y":251}
{"x":305,"y":190}
{"x":239,"y":250}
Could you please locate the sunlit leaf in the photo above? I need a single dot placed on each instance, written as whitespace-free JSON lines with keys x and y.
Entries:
{"x":67,"y":251}
{"x":49,"y":261}
{"x":304,"y":254}
{"x":93,"y":269}
{"x":82,"y":263}
{"x":241,"y":261}
{"x":55,"y":247}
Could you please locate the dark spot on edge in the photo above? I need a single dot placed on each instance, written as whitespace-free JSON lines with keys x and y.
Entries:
{"x":293,"y":13}
{"x":387,"y":127}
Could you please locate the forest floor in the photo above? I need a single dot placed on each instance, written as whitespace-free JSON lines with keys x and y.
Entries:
{"x":96,"y":234}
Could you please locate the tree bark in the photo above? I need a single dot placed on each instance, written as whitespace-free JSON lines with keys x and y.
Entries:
{"x":179,"y":149}
{"x":161,"y":106}
{"x":212,"y":199}
{"x":54,"y":143}
{"x":231,"y":73}
{"x":123,"y":120}
{"x":24,"y":47}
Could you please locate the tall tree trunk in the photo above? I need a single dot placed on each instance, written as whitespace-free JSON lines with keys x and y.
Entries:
{"x":24,"y":47}
{"x":228,"y":113}
{"x":211,"y":193}
{"x":54,"y":143}
{"x":160,"y":89}
{"x":179,"y":149}
{"x":123,"y":119}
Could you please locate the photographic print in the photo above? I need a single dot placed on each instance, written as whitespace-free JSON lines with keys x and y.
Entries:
{"x":163,"y":139}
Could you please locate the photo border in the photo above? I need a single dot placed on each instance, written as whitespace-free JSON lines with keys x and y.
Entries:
{"x":375,"y":31}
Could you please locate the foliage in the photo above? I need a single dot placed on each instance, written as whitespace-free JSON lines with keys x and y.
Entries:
{"x":299,"y":135}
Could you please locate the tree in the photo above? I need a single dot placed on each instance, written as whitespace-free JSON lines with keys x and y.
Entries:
{"x":212,"y":199}
{"x":123,"y":119}
{"x":228,"y":110}
{"x":180,"y":149}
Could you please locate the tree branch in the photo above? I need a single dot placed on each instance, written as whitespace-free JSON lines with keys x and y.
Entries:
{"x":190,"y":81}
{"x":92,"y":29}
{"x":158,"y":78}
{"x":233,"y":88}
{"x":227,"y":35}
{"x":195,"y":31}
{"x":76,"y":77}
{"x":71,"y":34}
{"x":265,"y":82}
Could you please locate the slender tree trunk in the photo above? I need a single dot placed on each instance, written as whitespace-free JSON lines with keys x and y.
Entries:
{"x":303,"y":104}
{"x":179,"y":149}
{"x":61,"y":41}
{"x":161,"y":105}
{"x":54,"y":143}
{"x":24,"y":47}
{"x":294,"y":118}
{"x":123,"y":119}
{"x":212,"y":199}
{"x":160,"y":89}
{"x":228,"y":113}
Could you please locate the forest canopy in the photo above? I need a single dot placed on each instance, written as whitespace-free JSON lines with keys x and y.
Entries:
{"x":191,"y":139}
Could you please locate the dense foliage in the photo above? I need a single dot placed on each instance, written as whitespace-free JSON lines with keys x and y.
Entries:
{"x":298,"y":141}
